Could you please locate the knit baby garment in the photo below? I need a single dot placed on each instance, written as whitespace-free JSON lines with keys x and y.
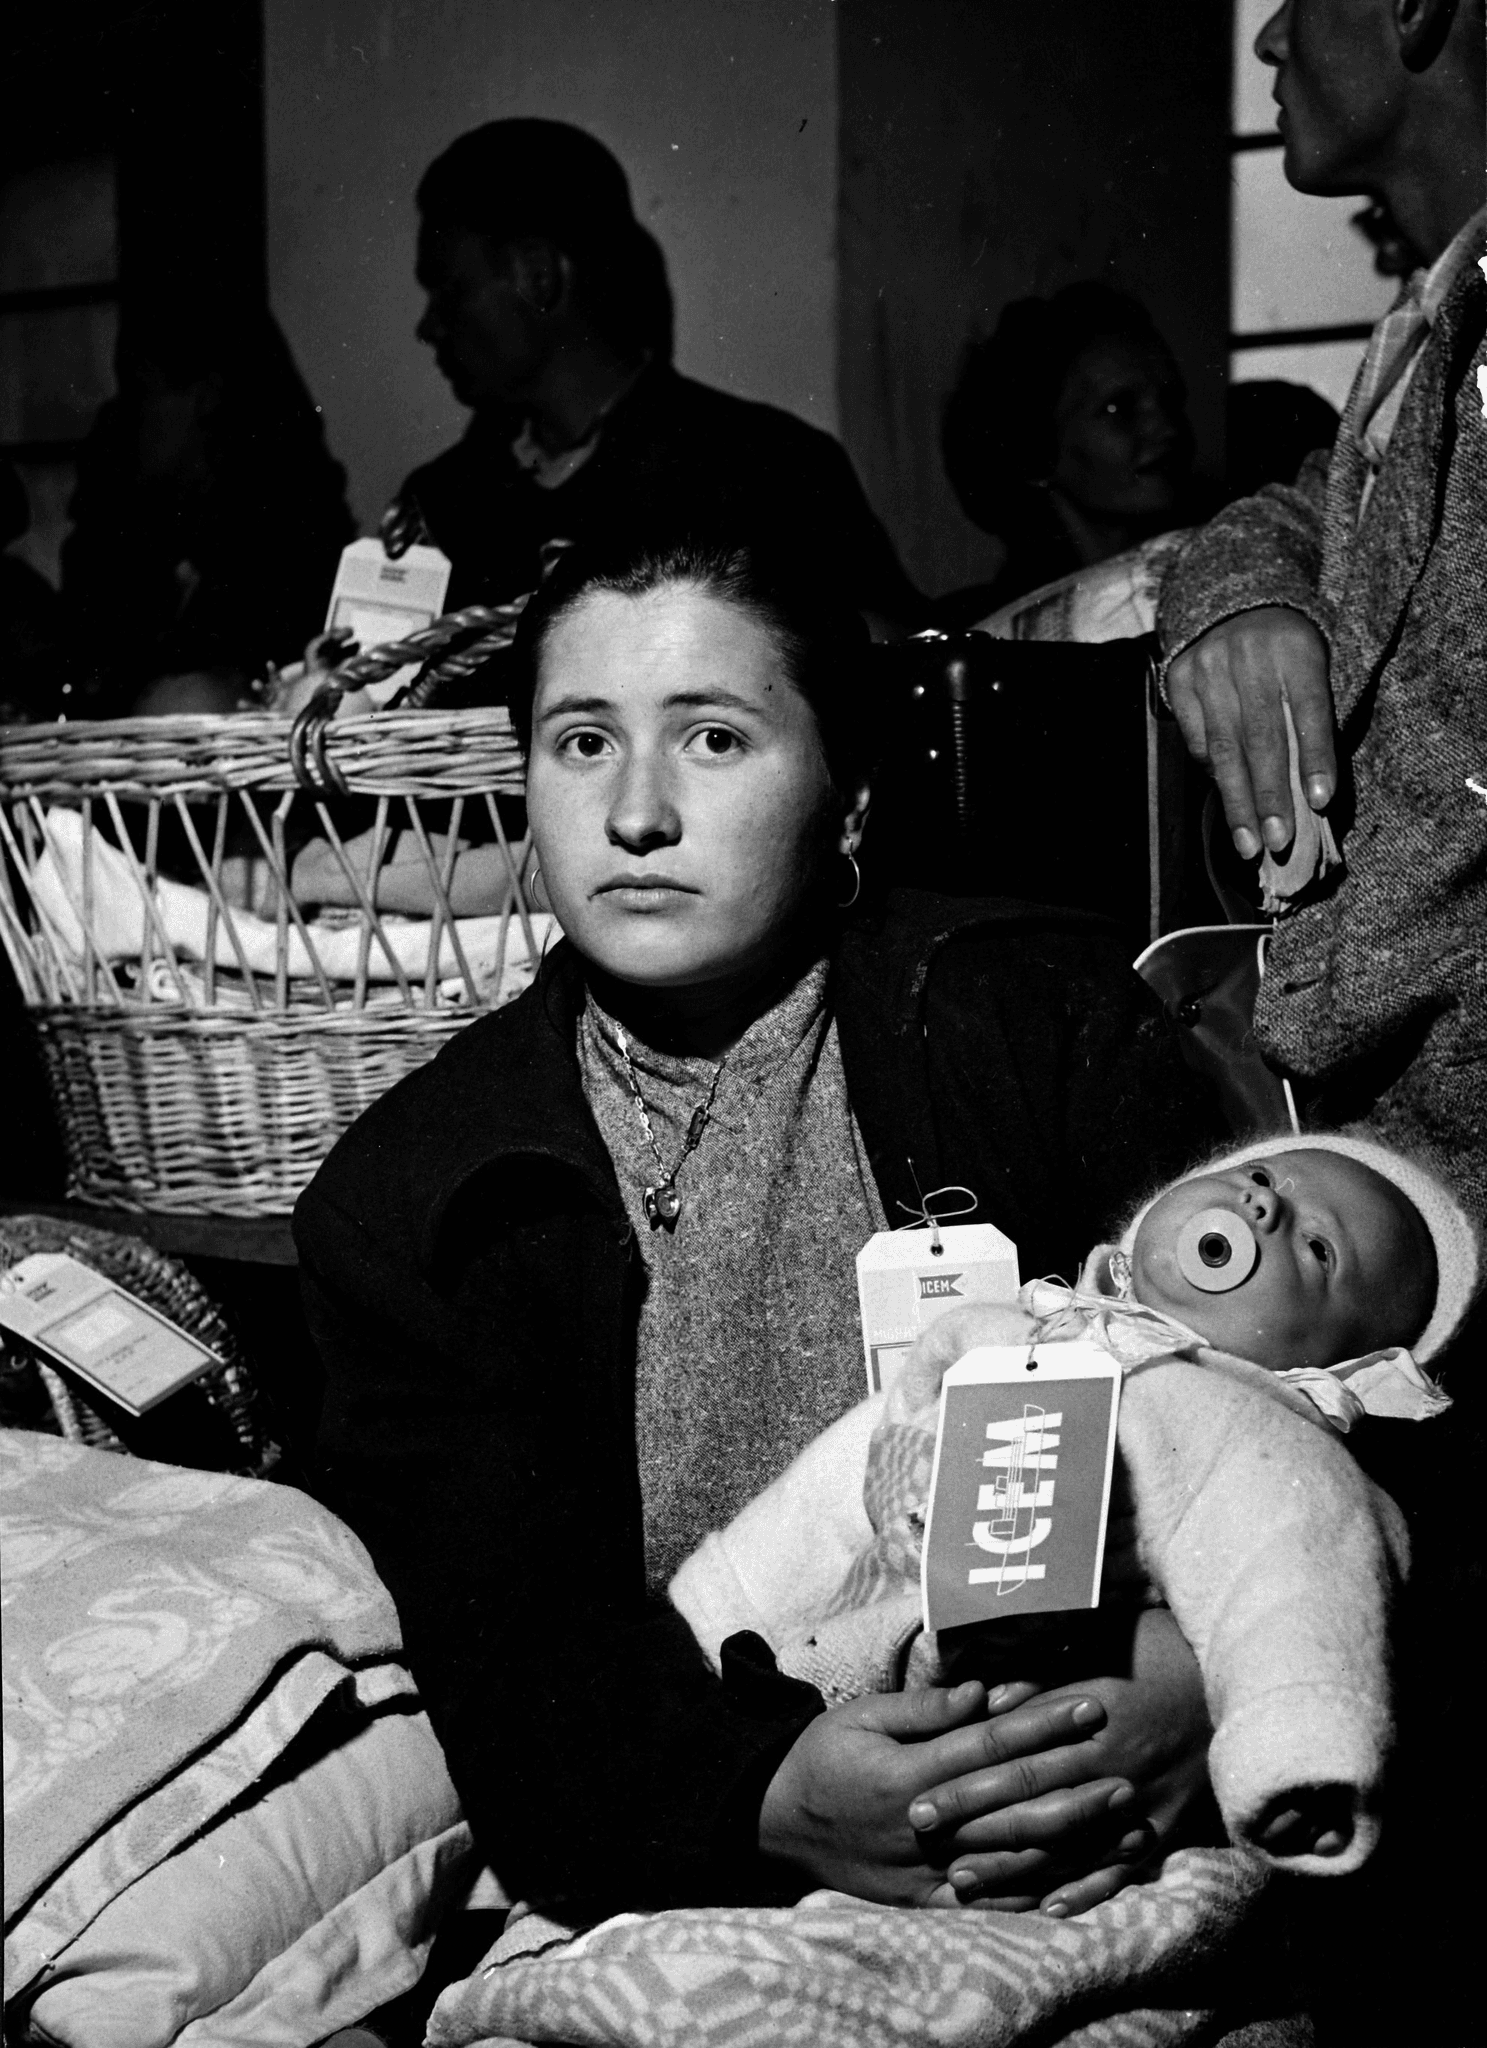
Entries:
{"x":1279,"y":1559}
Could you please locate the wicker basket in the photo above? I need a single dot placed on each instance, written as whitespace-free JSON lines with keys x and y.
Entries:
{"x":203,"y":1058}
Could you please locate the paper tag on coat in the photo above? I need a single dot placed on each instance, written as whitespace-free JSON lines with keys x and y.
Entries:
{"x":903,"y":1284}
{"x":1021,"y":1486}
{"x":134,"y":1356}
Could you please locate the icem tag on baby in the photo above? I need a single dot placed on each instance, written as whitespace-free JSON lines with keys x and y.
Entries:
{"x":906,"y":1278}
{"x":1021,"y":1489}
{"x":1216,"y":1251}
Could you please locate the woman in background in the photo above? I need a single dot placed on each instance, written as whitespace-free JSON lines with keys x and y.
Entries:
{"x":209,"y":515}
{"x":1067,"y":437}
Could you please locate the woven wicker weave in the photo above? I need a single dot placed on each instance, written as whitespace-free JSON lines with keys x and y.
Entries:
{"x":211,"y":1075}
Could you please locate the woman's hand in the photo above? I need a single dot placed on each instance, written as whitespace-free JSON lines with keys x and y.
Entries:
{"x":839,"y":1807}
{"x":1013,"y":1847}
{"x":291,"y":688}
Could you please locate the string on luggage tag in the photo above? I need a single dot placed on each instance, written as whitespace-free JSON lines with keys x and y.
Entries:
{"x":1264,"y":948}
{"x":1046,"y":1323}
{"x":926,"y":1217}
{"x":1291,"y":1106}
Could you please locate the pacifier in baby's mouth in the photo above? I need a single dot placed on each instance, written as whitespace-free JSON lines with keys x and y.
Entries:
{"x":1216,"y":1250}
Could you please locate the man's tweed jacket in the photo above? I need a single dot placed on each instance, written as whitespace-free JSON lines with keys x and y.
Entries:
{"x":1376,"y":989}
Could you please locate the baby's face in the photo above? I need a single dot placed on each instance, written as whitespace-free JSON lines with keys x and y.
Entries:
{"x":1343,"y":1262}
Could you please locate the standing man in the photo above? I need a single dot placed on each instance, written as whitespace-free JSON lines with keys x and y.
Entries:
{"x":1359,"y":597}
{"x":549,"y":313}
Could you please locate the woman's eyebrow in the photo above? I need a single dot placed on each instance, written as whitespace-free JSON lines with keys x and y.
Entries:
{"x":703,"y":700}
{"x":683,"y":700}
{"x":565,"y":706}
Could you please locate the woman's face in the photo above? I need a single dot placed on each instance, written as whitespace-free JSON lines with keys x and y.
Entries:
{"x":677,"y":789}
{"x":1125,"y":448}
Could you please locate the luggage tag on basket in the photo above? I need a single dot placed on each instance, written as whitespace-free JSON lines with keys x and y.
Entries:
{"x":131,"y":1354}
{"x":381,"y":598}
{"x":1021,"y":1486}
{"x":907,"y":1277}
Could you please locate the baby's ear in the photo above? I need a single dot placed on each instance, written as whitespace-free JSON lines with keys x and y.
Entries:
{"x":944,"y":1343}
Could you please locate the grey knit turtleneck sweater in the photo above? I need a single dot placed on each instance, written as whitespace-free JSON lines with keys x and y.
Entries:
{"x":748,"y":1342}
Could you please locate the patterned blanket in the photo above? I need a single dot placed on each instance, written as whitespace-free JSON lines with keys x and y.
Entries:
{"x":167,"y":1633}
{"x":1153,"y":1968}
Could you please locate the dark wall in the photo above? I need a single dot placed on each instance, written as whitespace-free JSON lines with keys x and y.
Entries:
{"x":989,"y":150}
{"x":191,"y":179}
{"x":173,"y":89}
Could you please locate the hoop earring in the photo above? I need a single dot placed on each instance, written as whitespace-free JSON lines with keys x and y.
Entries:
{"x":535,"y":890}
{"x":851,"y":860}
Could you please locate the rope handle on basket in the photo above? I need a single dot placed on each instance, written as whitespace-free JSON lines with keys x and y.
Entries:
{"x":307,"y":736}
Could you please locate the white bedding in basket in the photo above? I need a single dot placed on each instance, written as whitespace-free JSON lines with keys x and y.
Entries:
{"x":500,"y":961}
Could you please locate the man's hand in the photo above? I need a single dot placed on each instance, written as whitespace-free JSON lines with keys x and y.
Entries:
{"x":1226,"y":692}
{"x":1012,"y":1847}
{"x":838,"y":1808}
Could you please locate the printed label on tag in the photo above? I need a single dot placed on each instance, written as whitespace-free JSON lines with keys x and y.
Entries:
{"x":381,"y":599}
{"x":1021,"y":1486}
{"x":902,"y":1285}
{"x":108,"y":1337}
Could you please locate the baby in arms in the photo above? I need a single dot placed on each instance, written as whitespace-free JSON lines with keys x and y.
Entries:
{"x":1258,"y":1307}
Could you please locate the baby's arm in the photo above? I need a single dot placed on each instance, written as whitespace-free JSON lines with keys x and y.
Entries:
{"x":780,"y":1560}
{"x":1280,"y":1562}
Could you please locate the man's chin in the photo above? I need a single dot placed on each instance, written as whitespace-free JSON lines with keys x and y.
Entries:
{"x":1310,"y":172}
{"x":465,"y":389}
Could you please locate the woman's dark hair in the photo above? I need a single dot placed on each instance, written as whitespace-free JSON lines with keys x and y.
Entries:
{"x":267,"y":436}
{"x":510,"y":180}
{"x":823,"y":644}
{"x":999,"y":432}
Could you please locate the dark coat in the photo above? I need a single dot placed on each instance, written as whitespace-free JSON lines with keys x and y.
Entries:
{"x":471,"y":1280}
{"x":672,"y":447}
{"x":1375,"y":989}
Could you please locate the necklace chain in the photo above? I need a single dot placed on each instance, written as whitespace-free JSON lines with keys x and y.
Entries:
{"x":661,"y":1201}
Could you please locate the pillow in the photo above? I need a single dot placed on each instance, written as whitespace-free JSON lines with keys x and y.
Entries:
{"x":309,"y":1904}
{"x":169,"y":1634}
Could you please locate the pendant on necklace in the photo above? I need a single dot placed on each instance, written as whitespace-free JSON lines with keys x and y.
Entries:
{"x":662,"y":1205}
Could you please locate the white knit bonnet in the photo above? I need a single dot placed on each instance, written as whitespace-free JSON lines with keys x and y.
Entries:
{"x":1457,"y":1247}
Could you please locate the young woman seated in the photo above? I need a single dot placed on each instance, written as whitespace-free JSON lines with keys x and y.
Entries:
{"x":585,"y":1283}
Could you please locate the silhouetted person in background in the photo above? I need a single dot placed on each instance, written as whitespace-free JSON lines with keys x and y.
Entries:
{"x":1271,"y":429}
{"x":209,"y":515}
{"x":1067,"y":437}
{"x":30,"y":616}
{"x":550,"y":315}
